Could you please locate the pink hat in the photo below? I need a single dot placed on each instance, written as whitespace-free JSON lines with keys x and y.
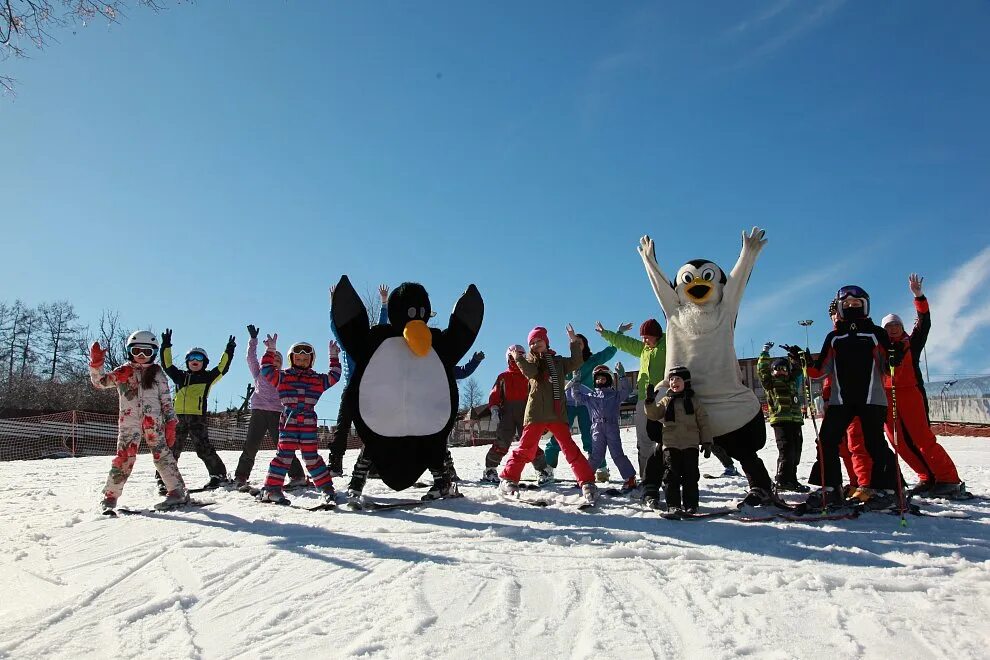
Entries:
{"x":539,"y":332}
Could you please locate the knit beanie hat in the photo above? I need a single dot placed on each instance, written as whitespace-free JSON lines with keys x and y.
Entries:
{"x":539,"y":332}
{"x":651,"y":328}
{"x":682,"y":372}
{"x":891,"y":318}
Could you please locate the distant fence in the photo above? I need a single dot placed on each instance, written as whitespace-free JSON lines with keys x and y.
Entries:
{"x":79,"y":433}
{"x":962,"y":401}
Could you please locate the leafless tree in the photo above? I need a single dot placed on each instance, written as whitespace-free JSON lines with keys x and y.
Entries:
{"x":471,"y":394}
{"x":112,"y":336}
{"x":58,"y":322}
{"x":20,"y":321}
{"x":32,"y":24}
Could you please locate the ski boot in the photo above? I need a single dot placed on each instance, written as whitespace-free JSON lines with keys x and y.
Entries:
{"x":162,"y":490}
{"x":602,"y":475}
{"x":215,"y":482}
{"x":690,"y":510}
{"x":731,"y":471}
{"x":848,"y":490}
{"x":589,"y":491}
{"x":109,"y":504}
{"x":173,"y":500}
{"x":545,"y":477}
{"x":652,"y":501}
{"x":490,"y":476}
{"x":814,"y":501}
{"x":273,"y":495}
{"x":950,"y":491}
{"x":336,"y":465}
{"x":241,"y":485}
{"x":355,"y":498}
{"x":757,"y":497}
{"x":921,"y":489}
{"x":509,"y":488}
{"x":329,"y":494}
{"x":628,"y":485}
{"x":872,"y":500}
{"x":791,"y":487}
{"x":442,"y":488}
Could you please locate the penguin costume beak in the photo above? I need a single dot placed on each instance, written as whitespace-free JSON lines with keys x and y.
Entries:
{"x":419,"y":337}
{"x":700,"y":290}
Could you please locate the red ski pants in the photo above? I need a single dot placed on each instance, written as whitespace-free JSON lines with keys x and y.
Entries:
{"x":529,"y":444}
{"x":858,"y":462}
{"x":916,"y":443}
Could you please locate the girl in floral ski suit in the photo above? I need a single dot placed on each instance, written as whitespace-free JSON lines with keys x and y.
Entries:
{"x":145,"y":413}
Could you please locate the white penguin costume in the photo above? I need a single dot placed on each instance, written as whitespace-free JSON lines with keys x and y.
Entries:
{"x":701,"y":306}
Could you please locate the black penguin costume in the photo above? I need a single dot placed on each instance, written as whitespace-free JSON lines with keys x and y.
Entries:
{"x":403,"y":390}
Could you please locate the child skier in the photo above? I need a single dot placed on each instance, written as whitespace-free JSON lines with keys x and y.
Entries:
{"x":192,"y":391}
{"x":266,"y":411}
{"x":345,"y":416}
{"x":781,"y":382}
{"x":603,"y":404}
{"x":852,"y":356}
{"x":651,"y":349}
{"x":508,"y":400}
{"x":546,"y":411}
{"x":299,"y":389}
{"x":917,"y":445}
{"x":685,"y":429}
{"x":579,"y":411}
{"x":145,"y":413}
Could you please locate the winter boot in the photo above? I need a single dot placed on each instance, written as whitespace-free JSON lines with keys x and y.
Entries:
{"x":602,"y":475}
{"x":731,"y":471}
{"x":490,"y":476}
{"x":441,"y":488}
{"x":336,"y":465}
{"x":757,"y":497}
{"x":873,"y":500}
{"x":509,"y":488}
{"x":589,"y":491}
{"x":546,"y":476}
{"x":173,"y":500}
{"x":833,"y":498}
{"x":273,"y":496}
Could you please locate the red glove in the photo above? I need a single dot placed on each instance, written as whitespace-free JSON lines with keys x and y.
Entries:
{"x":124,"y":373}
{"x":170,"y":431}
{"x":97,"y":356}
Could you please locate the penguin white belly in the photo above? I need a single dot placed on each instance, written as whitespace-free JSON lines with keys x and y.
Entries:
{"x":402,"y":394}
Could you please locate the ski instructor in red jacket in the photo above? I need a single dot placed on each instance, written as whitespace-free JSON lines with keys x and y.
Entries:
{"x":916,"y":443}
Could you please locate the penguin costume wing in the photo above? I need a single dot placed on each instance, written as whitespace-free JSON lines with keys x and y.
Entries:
{"x":462,"y":329}
{"x":351,"y":319}
{"x":662,"y":287}
{"x":752,"y":245}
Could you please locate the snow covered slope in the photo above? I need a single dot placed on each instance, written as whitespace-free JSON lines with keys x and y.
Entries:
{"x":479,"y":577}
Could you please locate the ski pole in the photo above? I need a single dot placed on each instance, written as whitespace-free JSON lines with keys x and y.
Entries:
{"x":897,"y":464}
{"x":814,"y":425}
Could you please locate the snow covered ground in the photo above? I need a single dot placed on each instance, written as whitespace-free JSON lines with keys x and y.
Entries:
{"x":479,"y":577}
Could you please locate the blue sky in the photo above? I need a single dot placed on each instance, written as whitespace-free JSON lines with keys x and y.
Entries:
{"x":219,"y":164}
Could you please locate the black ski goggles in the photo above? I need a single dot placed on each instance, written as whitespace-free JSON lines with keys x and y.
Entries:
{"x":146,"y":351}
{"x":851,"y":292}
{"x":198,"y":357}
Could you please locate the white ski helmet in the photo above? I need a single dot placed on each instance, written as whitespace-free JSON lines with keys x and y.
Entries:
{"x":141,"y":339}
{"x":302,"y":348}
{"x":202,"y":351}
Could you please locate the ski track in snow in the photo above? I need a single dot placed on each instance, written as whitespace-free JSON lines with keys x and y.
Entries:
{"x":481,"y":576}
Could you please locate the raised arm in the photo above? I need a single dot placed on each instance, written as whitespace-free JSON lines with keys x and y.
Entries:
{"x":752,"y":245}
{"x":576,"y":358}
{"x":763,"y":366}
{"x":528,"y":369}
{"x":252,"y":352}
{"x":629,"y":345}
{"x":171,"y":370}
{"x":224,"y":366}
{"x":465,"y":370}
{"x":332,"y":377}
{"x":268,"y":370}
{"x":97,"y":357}
{"x":923,"y":320}
{"x":580,"y":393}
{"x":661,"y":284}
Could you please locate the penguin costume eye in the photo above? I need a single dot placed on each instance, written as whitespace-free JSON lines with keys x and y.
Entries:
{"x":422,"y":312}
{"x":688,"y":278}
{"x":708,"y":274}
{"x":412,"y":312}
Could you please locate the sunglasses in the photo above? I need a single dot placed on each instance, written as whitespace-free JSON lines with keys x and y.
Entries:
{"x":850,"y":292}
{"x":302,"y":350}
{"x":198,"y":357}
{"x":141,"y":350}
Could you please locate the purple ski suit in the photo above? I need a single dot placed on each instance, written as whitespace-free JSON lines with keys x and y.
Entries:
{"x":603,"y":405}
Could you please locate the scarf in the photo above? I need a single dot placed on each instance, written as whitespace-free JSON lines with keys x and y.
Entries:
{"x":687,"y":395}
